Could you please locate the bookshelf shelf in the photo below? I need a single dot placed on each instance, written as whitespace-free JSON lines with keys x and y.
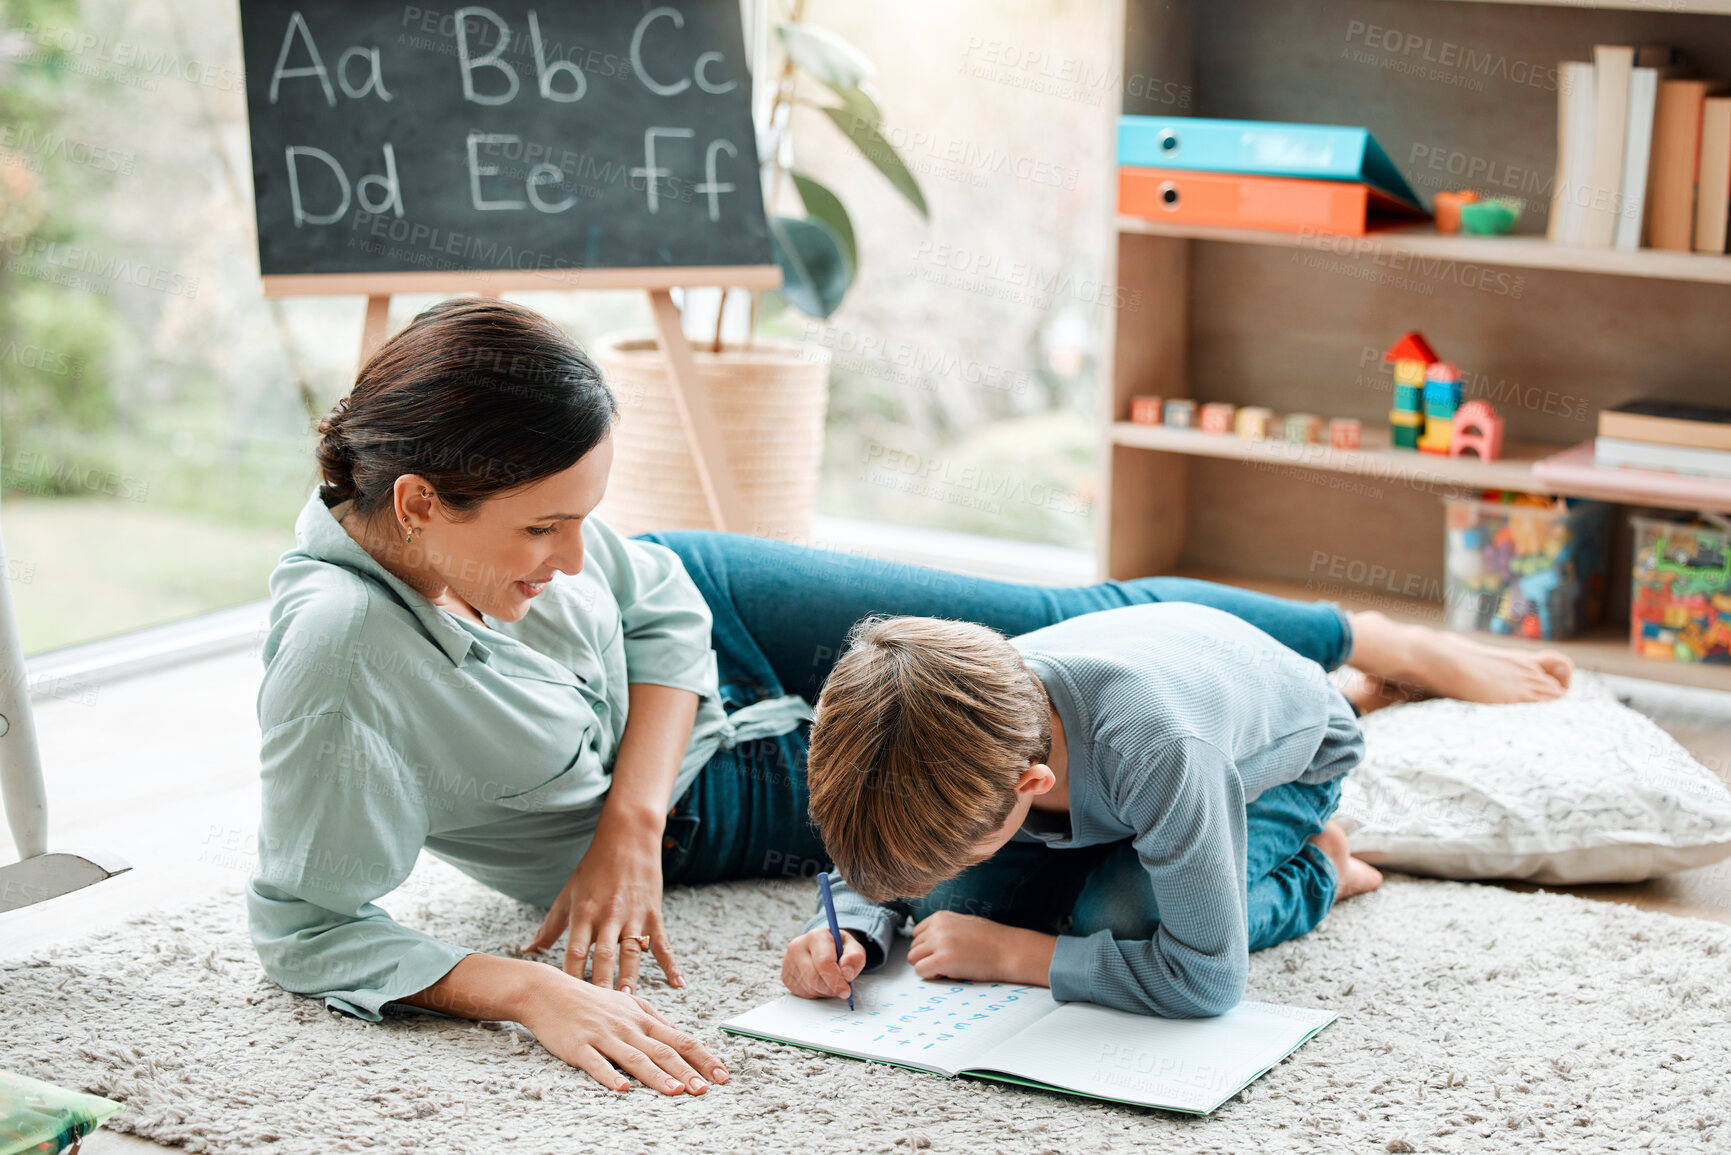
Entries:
{"x":1406,"y":249}
{"x":1680,"y":7}
{"x":1376,"y":460}
{"x":1298,"y":322}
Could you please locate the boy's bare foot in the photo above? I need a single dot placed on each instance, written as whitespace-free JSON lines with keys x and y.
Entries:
{"x":1418,"y":658}
{"x":1352,"y":875}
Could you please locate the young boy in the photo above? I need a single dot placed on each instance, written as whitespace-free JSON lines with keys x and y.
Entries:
{"x":1120,"y":806}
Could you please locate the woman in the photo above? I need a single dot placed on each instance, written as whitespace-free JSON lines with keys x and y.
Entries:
{"x":462,"y":660}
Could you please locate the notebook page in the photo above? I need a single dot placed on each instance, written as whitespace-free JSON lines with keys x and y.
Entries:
{"x":1179,"y":1064}
{"x":899,"y":1018}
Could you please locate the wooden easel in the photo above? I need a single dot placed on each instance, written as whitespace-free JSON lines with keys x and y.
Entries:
{"x":695,"y":414}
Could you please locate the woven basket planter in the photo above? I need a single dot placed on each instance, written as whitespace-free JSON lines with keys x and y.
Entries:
{"x":769,"y":403}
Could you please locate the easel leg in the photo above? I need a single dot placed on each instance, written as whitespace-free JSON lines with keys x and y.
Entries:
{"x":373,"y":328}
{"x":707,"y":451}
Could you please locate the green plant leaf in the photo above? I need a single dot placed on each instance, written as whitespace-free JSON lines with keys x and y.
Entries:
{"x":815,"y":271}
{"x":821,"y":204}
{"x":859,"y":102}
{"x":881,"y":153}
{"x":825,"y":55}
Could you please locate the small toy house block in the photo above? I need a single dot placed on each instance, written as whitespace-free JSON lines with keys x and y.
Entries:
{"x":1438,"y":434}
{"x":1477,"y":427}
{"x":1145,"y":410}
{"x":1343,"y":432}
{"x":1405,"y":428}
{"x":1217,"y":417}
{"x":1253,"y":422}
{"x":1304,"y":428}
{"x":1180,"y":413}
{"x":1411,"y":355}
{"x":1411,"y":347}
{"x":1408,"y":372}
{"x":1443,"y":373}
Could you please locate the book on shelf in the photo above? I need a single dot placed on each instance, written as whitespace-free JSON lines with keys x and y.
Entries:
{"x":1576,"y":126}
{"x":1637,"y":153}
{"x":1612,"y":65}
{"x":1676,"y":161}
{"x":1257,"y":202}
{"x":1618,"y":453}
{"x":1713,"y":184}
{"x":1660,"y":422}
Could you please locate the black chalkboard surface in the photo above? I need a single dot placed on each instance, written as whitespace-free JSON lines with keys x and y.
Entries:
{"x":536,"y":137}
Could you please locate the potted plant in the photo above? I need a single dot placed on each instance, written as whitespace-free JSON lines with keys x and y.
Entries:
{"x":768,"y":395}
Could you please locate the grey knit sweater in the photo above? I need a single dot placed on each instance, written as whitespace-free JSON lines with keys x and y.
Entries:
{"x":1175,"y":716}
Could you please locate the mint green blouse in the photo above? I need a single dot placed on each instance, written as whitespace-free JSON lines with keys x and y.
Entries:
{"x":391,"y":725}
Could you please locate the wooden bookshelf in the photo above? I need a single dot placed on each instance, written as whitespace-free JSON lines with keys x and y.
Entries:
{"x":1550,"y":334}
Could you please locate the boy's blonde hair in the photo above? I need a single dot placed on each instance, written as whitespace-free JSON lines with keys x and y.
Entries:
{"x":921,"y":732}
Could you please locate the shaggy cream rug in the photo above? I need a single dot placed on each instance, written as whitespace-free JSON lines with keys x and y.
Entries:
{"x":1471,"y":1019}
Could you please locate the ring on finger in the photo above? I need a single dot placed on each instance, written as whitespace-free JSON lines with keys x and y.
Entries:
{"x":641,"y":940}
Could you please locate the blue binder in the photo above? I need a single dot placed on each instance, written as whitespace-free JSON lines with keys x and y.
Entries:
{"x":1261,"y":148}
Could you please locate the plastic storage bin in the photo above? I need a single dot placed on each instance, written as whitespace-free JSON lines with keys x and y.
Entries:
{"x":1525,"y":565}
{"x":1680,"y":598}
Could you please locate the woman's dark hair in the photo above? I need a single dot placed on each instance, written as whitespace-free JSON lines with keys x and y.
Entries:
{"x":478,"y":395}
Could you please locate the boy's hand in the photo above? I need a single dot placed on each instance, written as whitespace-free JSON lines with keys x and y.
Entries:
{"x":973,"y":949}
{"x":811,"y":970}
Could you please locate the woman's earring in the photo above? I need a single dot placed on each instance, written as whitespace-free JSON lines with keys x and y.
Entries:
{"x":410,"y":538}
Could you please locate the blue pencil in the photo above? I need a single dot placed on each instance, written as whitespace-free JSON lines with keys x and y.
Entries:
{"x":834,"y":926}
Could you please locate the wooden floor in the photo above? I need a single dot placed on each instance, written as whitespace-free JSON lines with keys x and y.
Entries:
{"x":163,"y":770}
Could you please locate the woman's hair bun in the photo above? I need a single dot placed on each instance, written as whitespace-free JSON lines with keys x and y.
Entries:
{"x":336,"y":460}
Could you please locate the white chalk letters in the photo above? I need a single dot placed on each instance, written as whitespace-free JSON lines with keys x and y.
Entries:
{"x":485,"y":69}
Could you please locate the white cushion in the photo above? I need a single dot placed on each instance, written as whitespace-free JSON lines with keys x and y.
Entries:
{"x":1581,"y":789}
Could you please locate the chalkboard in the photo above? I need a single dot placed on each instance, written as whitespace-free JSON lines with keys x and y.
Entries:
{"x":392,"y":139}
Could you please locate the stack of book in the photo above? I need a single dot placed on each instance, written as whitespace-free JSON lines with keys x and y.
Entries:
{"x":1643,"y":154}
{"x":1666,"y":436}
{"x":1259,"y":175}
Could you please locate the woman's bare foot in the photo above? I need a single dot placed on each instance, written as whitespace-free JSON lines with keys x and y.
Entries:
{"x":1353,"y":876}
{"x":1418,"y":658}
{"x":1368,"y":693}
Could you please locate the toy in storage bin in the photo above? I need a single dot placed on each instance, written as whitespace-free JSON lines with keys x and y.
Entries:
{"x":1523,"y":564}
{"x":1680,"y":597}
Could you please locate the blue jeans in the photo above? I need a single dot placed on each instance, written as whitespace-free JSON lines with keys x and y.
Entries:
{"x":782,"y":612}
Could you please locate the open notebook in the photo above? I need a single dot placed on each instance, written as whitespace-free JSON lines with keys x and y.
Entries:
{"x":1021,"y":1035}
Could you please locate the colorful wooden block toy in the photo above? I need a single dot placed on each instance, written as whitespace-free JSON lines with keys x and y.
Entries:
{"x":1217,"y":417}
{"x":1343,"y":432}
{"x":1303,"y":428}
{"x":1477,"y":427}
{"x":1181,"y":413}
{"x":1145,"y":409}
{"x":1412,"y":356}
{"x":1442,"y":396}
{"x":1254,"y":422}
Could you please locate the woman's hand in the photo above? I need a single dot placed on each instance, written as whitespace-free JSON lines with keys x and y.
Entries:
{"x":585,"y":1025}
{"x":612,"y":904}
{"x":602,"y":1031}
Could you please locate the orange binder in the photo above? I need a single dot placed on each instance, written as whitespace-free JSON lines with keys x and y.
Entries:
{"x":1256,"y":202}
